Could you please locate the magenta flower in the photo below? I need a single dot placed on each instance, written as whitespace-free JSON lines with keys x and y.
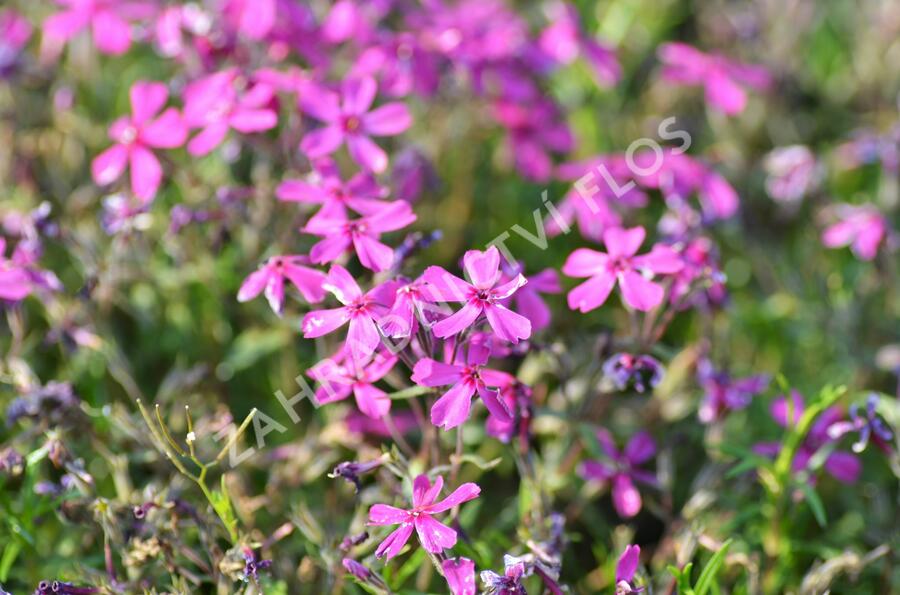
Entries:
{"x":405,"y":65}
{"x":15,"y":32}
{"x":621,"y":469}
{"x":535,"y":131}
{"x":434,"y":536}
{"x":253,"y":19}
{"x":361,"y":193}
{"x":136,"y":135}
{"x":271,"y":276}
{"x":564,"y":40}
{"x":338,"y":381}
{"x":722,"y":78}
{"x":452,"y":408}
{"x":862,"y":228}
{"x":528,"y":298}
{"x":793,"y":172}
{"x":15,"y":282}
{"x":867,"y":425}
{"x":483,"y":295}
{"x":359,"y":309}
{"x":460,"y":575}
{"x":723,"y":394}
{"x":410,"y":305}
{"x":510,"y":582}
{"x":843,"y":466}
{"x":218,"y":102}
{"x":620,"y":265}
{"x":626,"y":568}
{"x":108,"y":20}
{"x":349,"y":120}
{"x":340,"y":234}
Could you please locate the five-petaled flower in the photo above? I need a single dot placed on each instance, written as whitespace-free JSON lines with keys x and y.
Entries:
{"x":621,"y":469}
{"x":269,"y":278}
{"x":338,"y":380}
{"x":434,"y":536}
{"x":483,"y":295}
{"x":620,"y":264}
{"x":349,"y":120}
{"x":136,"y":135}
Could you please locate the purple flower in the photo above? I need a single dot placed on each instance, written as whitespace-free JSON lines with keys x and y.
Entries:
{"x":621,"y":469}
{"x":564,"y":40}
{"x":452,"y":408}
{"x":405,"y":65}
{"x":434,"y":536}
{"x":867,"y":425}
{"x":352,"y":471}
{"x":350,"y":120}
{"x":356,"y":569}
{"x":626,"y":568}
{"x":510,"y":582}
{"x":843,"y":466}
{"x":460,"y":575}
{"x":723,"y":393}
{"x":61,"y":588}
{"x":620,"y":265}
{"x":484,"y":295}
{"x":528,"y":298}
{"x":108,"y":20}
{"x":252,"y":565}
{"x":642,"y":372}
{"x":15,"y":32}
{"x":722,"y":78}
{"x":534,"y":132}
{"x":271,"y":276}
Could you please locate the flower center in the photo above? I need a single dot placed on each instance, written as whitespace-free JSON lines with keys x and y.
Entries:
{"x":352,"y":123}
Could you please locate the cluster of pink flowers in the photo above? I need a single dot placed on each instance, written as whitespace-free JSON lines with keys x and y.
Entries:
{"x":389,"y":316}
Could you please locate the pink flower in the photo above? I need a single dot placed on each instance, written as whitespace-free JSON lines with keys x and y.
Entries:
{"x":483,"y":295}
{"x":252,"y":18}
{"x":434,"y":536}
{"x":862,"y":228}
{"x":460,"y":575}
{"x":534,"y":132}
{"x":349,"y":120}
{"x":410,"y":303}
{"x":626,"y":568}
{"x":340,"y":233}
{"x":135,"y":135}
{"x":339,"y":380}
{"x":15,"y":282}
{"x":453,"y":407}
{"x":564,"y":40}
{"x":722,"y":78}
{"x":359,"y":309}
{"x":622,"y":470}
{"x":620,"y":265}
{"x":15,"y":32}
{"x":215,"y":104}
{"x":107,"y":19}
{"x":528,"y":299}
{"x":271,"y":276}
{"x":361,"y":193}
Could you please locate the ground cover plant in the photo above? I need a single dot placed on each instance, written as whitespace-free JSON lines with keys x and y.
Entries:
{"x":430,"y":296}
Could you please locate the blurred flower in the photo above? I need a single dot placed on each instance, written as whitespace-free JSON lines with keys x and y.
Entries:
{"x":434,"y":536}
{"x":405,"y":65}
{"x":483,"y":295}
{"x":643,"y":372}
{"x":793,"y":172}
{"x":625,"y":570}
{"x":410,"y":305}
{"x":564,"y":40}
{"x":867,"y":425}
{"x":356,"y":569}
{"x":271,"y":277}
{"x":723,"y":394}
{"x":136,"y":135}
{"x":620,"y":265}
{"x":863,"y":228}
{"x":412,"y":175}
{"x":53,"y":403}
{"x":460,"y":575}
{"x":15,"y":283}
{"x":349,"y":120}
{"x":701,"y":280}
{"x":225,"y":100}
{"x":721,"y":77}
{"x":61,"y":588}
{"x":15,"y":32}
{"x":534,"y":131}
{"x":510,"y":582}
{"x":108,"y":19}
{"x":528,"y":298}
{"x":252,"y":565}
{"x":843,"y":466}
{"x":516,"y":399}
{"x":621,"y":469}
{"x":250,"y":18}
{"x":452,"y":408}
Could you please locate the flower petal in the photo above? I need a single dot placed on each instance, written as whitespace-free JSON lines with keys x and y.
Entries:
{"x":640,"y":293}
{"x":434,"y":536}
{"x":452,"y":408}
{"x":464,"y":493}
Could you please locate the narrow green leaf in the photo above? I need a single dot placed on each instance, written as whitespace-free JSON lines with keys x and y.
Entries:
{"x":815,"y":503}
{"x":712,"y":569}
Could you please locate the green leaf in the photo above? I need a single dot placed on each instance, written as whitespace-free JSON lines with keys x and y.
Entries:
{"x":10,"y":552}
{"x":408,"y":568}
{"x":682,"y":578}
{"x":815,"y":503}
{"x":712,"y":569}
